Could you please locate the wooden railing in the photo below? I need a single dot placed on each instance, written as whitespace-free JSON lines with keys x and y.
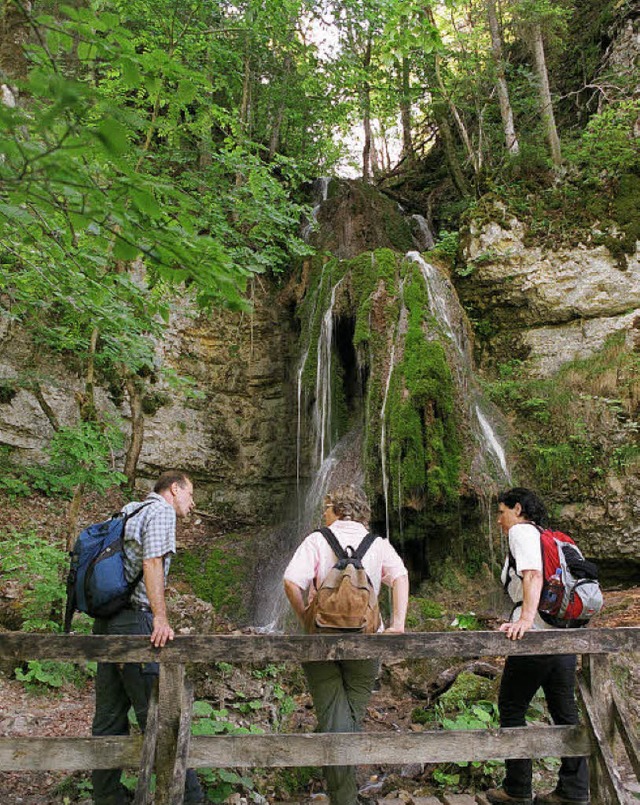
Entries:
{"x":168,"y":746}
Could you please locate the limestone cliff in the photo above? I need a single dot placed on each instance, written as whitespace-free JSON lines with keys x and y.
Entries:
{"x":558,"y":337}
{"x":233,"y":434}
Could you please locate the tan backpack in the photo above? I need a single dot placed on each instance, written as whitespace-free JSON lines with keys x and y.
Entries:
{"x":346,"y":600}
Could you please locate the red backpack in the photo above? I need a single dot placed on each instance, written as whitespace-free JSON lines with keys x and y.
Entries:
{"x":571,"y":592}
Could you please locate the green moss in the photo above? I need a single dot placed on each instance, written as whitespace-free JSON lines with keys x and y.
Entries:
{"x":466,"y":689}
{"x":216,"y":576}
{"x":424,"y":447}
{"x":154,"y":401}
{"x":627,"y":210}
{"x":8,"y":391}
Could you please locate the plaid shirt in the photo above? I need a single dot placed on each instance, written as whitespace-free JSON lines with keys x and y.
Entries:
{"x":149,"y":534}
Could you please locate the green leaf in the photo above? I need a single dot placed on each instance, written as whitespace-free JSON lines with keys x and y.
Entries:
{"x":112,"y":136}
{"x":125,"y":251}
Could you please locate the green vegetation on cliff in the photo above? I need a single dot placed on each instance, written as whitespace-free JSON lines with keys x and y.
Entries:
{"x":386,"y":300}
{"x":573,"y":429}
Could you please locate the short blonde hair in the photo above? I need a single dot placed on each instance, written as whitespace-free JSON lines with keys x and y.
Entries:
{"x":349,"y":503}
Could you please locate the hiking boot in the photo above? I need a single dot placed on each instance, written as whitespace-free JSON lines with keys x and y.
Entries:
{"x":554,"y":798}
{"x":498,"y":796}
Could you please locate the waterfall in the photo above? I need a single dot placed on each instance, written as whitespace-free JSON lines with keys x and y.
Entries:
{"x":342,"y":465}
{"x":383,"y":439}
{"x":301,"y":365}
{"x":421,"y":233}
{"x":446,"y":309}
{"x":320,"y":195}
{"x":443,"y":301}
{"x":492,"y":441}
{"x":383,"y":429}
{"x":322,"y":405}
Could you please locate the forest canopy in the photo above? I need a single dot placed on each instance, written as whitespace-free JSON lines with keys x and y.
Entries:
{"x":150,"y":149}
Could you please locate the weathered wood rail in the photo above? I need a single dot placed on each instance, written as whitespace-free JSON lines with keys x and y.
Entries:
{"x":169,"y":748}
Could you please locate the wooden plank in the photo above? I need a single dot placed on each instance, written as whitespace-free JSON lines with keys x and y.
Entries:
{"x":76,"y":754}
{"x":242,"y":649}
{"x":143,"y":788}
{"x":339,"y":749}
{"x":624,"y":720}
{"x":183,"y":745}
{"x":614,"y":786}
{"x":70,"y":754}
{"x":170,"y":686}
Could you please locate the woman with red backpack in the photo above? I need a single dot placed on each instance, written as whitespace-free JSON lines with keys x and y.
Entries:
{"x":521,"y":516}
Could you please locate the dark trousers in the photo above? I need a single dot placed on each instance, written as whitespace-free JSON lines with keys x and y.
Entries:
{"x":556,"y":675}
{"x":340,"y":693}
{"x":120,"y":687}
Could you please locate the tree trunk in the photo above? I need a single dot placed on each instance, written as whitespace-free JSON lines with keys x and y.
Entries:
{"x":88,"y":413}
{"x":450,"y":151}
{"x":14,"y":28}
{"x":506,"y":112}
{"x":405,"y":110}
{"x":366,"y":123}
{"x":137,"y":430}
{"x":462,"y":129}
{"x":546,"y":106}
{"x":73,"y":513}
{"x":274,"y":139}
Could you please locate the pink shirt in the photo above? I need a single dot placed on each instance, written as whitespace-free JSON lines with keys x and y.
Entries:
{"x":314,"y":558}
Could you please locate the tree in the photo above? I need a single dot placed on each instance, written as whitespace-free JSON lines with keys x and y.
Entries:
{"x":536,"y":17}
{"x":100,"y":224}
{"x":506,"y":111}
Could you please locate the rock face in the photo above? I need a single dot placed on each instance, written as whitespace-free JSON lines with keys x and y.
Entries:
{"x":238,"y":440}
{"x":549,"y":307}
{"x":234,"y":436}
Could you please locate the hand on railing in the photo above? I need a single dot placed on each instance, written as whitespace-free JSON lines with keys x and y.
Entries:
{"x":516,"y":630}
{"x":162,"y":632}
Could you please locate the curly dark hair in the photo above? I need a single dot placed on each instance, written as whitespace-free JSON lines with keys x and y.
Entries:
{"x":532,"y":507}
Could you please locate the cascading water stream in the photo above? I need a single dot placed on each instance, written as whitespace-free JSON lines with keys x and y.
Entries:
{"x":321,"y":192}
{"x":492,"y":441}
{"x":322,"y":406}
{"x":342,"y":465}
{"x":383,"y":409}
{"x":301,"y":365}
{"x":445,"y":307}
{"x":422,"y":234}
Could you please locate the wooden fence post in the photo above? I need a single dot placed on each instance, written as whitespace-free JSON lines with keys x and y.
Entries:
{"x":597,"y":697}
{"x":182,"y":745}
{"x":170,"y":701}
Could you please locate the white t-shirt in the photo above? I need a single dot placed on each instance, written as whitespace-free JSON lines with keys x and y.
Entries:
{"x":524,"y":544}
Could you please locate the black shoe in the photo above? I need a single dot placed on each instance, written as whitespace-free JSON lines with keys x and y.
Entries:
{"x":498,"y":796}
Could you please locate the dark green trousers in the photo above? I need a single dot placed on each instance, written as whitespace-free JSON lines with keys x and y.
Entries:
{"x":119,"y":687}
{"x":341,"y":692}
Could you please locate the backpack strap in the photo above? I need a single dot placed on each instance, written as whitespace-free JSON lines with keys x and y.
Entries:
{"x":364,"y":546}
{"x":127,"y":516}
{"x":335,"y":546}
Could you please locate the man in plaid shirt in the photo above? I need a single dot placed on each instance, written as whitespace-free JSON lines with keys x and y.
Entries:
{"x":149,"y":544}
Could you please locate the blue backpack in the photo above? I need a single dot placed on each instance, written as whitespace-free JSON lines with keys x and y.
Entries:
{"x":97,"y":583}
